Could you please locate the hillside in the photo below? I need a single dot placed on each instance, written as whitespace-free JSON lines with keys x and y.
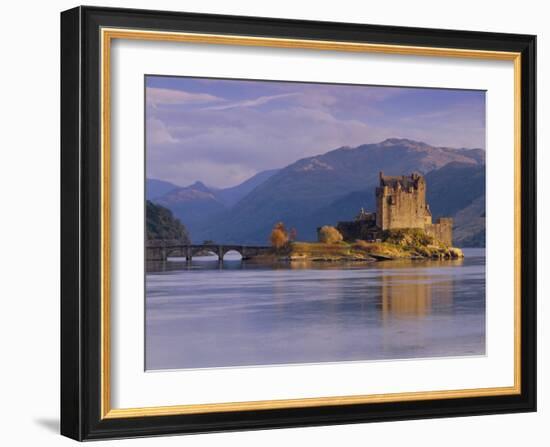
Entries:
{"x":194,"y":204}
{"x":454,"y":187}
{"x":309,"y":192}
{"x":470,"y":224}
{"x":230,"y":196}
{"x":199,"y":204}
{"x":457,"y":190}
{"x":161,"y":224}
{"x":156,"y":188}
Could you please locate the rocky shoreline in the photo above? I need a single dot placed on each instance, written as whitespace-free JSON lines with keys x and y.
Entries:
{"x":359,"y":251}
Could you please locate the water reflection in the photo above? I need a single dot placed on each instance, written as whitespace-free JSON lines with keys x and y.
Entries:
{"x":233,"y":261}
{"x":412,"y":296}
{"x":208,"y":314}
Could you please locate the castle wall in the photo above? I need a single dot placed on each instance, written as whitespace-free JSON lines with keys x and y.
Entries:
{"x":358,"y":229}
{"x":442,"y":230}
{"x":401,"y":208}
{"x":381,"y":207}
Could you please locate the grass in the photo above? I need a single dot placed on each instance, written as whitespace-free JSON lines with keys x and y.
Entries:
{"x":382,"y":249}
{"x":418,"y":243}
{"x":321,"y":250}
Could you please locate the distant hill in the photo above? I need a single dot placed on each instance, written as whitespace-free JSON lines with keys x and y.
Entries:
{"x":343,"y":208}
{"x":458,"y":190}
{"x":198,"y":204}
{"x":195,"y":204}
{"x":161,"y":224}
{"x":155,"y":188}
{"x":323,"y":188}
{"x":476,"y":154}
{"x":469,"y":224}
{"x":454,"y":187}
{"x":230,"y":196}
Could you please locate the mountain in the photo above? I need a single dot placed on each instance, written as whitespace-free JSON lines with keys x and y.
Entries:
{"x":469,"y":225}
{"x":230,"y":196}
{"x":342,"y":209}
{"x":476,"y":154}
{"x":458,"y":190}
{"x":317,"y":189}
{"x":161,"y":224}
{"x":454,"y":187}
{"x":155,"y":188}
{"x":197,"y":204}
{"x":194,"y":204}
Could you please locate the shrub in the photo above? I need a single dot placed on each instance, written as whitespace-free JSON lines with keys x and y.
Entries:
{"x":409,"y":237}
{"x":330,"y":235}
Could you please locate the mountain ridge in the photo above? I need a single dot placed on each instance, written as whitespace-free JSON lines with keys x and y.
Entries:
{"x":300,"y":189}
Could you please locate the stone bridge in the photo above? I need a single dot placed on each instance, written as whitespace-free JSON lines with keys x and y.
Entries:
{"x":157,"y":250}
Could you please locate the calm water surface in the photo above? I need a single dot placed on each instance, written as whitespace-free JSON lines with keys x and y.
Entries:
{"x":233,"y":314}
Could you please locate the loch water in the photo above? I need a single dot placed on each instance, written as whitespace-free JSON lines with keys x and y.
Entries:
{"x":208,"y":314}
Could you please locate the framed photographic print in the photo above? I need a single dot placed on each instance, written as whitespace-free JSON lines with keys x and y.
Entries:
{"x":276,"y":223}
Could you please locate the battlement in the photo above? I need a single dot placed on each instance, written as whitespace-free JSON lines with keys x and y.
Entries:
{"x":402,"y":182}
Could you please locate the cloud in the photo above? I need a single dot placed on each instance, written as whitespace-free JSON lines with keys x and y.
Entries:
{"x":165,"y":96}
{"x":253,"y":102}
{"x":220,"y":149}
{"x":222,"y":142}
{"x":158,"y":133}
{"x":189,"y":171}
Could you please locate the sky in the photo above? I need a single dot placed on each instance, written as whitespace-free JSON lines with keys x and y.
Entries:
{"x":222,"y":131}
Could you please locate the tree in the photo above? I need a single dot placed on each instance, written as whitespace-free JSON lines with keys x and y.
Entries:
{"x":279,"y":236}
{"x":162,"y":225}
{"x":330,"y":235}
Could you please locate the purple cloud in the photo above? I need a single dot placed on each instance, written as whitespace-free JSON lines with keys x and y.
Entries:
{"x":223,"y":131}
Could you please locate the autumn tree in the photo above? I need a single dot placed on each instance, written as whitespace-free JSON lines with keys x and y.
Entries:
{"x":330,"y":235}
{"x":279,"y":236}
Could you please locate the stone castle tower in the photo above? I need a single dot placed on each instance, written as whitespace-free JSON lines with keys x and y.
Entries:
{"x":401,"y":203}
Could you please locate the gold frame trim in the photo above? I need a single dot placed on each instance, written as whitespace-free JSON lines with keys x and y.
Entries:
{"x":107,"y":35}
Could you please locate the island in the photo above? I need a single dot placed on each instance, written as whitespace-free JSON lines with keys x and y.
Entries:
{"x":401,"y":228}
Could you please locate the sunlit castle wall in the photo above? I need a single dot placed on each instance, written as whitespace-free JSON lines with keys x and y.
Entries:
{"x":401,"y":202}
{"x":442,"y":230}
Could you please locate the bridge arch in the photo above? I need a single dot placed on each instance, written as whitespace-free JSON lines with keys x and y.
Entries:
{"x":200,"y":251}
{"x":175,"y":252}
{"x":226,"y":251}
{"x":162,"y":250}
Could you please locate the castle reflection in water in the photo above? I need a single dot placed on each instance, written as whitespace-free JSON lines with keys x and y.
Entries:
{"x":211,"y":314}
{"x":407,"y":295}
{"x":402,"y":294}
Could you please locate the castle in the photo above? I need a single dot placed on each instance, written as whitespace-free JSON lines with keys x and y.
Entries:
{"x":400,"y":203}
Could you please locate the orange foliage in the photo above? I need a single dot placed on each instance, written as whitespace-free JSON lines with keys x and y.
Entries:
{"x":279,"y":236}
{"x":329,"y":235}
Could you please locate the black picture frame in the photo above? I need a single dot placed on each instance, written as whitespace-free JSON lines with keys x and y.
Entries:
{"x":81,"y":210}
